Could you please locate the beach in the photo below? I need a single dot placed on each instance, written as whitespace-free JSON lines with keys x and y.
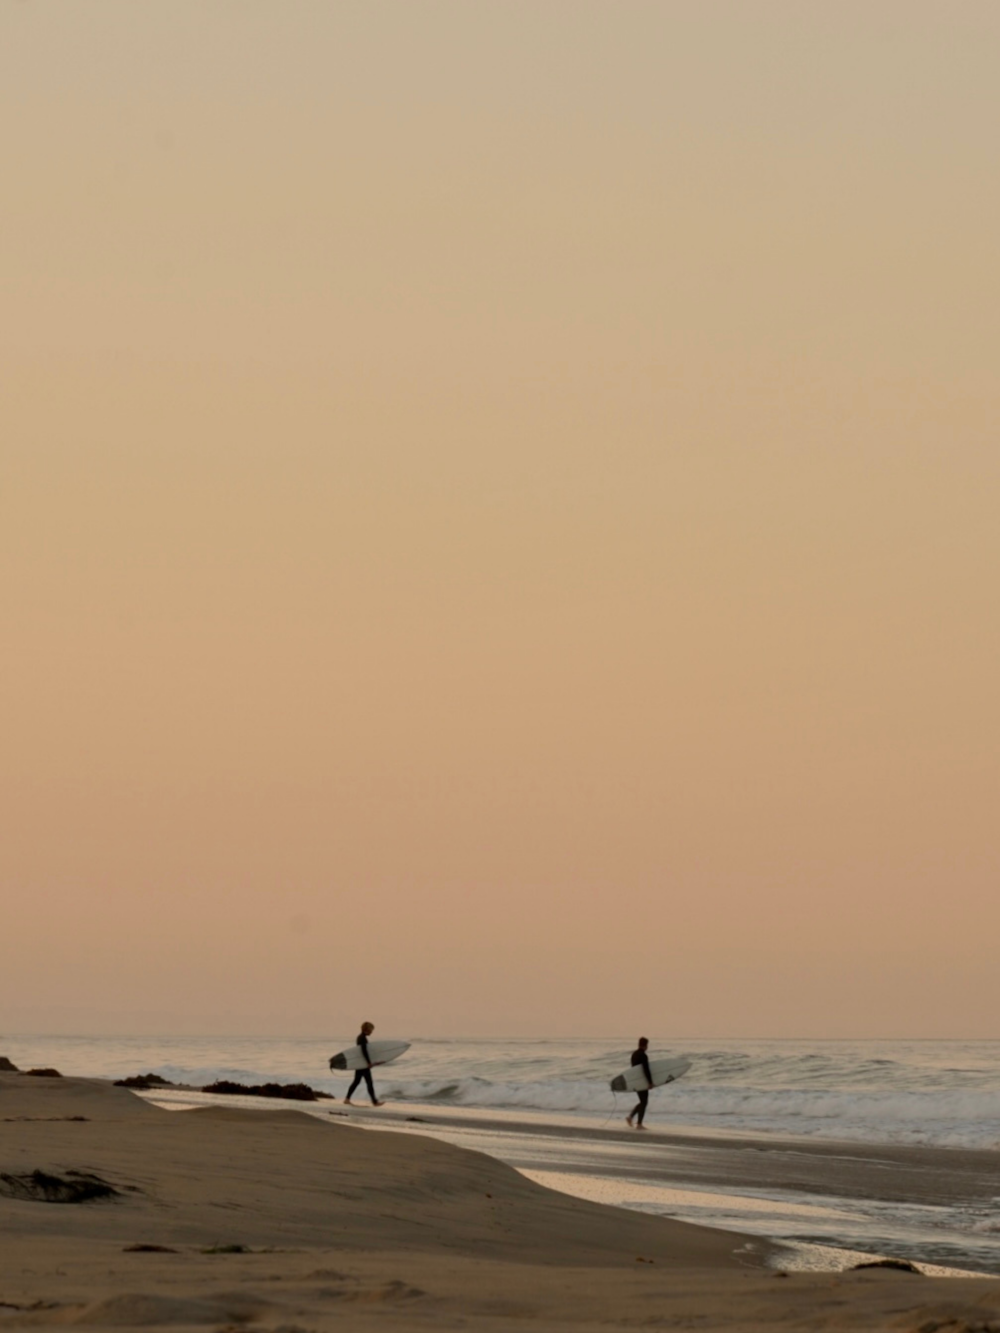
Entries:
{"x":222,"y":1216}
{"x":832,"y":1148}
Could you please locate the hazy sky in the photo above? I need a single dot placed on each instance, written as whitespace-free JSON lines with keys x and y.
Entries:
{"x":500,"y":516}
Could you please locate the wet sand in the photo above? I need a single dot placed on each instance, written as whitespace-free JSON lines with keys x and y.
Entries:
{"x":907,"y":1174}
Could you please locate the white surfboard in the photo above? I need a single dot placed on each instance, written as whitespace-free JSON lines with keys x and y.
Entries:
{"x":379,"y":1052}
{"x":664,"y":1071}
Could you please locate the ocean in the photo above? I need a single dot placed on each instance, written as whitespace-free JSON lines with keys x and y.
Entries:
{"x":545,"y":1107}
{"x":932,"y":1093}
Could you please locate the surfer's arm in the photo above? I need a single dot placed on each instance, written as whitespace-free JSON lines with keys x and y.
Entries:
{"x":646,"y":1071}
{"x":363,"y":1043}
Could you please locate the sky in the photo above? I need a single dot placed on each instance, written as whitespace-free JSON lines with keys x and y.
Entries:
{"x":498,"y":517}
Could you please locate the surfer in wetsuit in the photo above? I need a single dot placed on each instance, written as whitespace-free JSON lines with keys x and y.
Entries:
{"x":638,"y":1112}
{"x":366,"y":1071}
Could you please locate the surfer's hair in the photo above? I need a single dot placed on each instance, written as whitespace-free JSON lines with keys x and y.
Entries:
{"x":643,"y":1041}
{"x":370,"y":1027}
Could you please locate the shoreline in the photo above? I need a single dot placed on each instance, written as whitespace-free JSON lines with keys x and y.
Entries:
{"x":557,"y":1123}
{"x":220,"y":1216}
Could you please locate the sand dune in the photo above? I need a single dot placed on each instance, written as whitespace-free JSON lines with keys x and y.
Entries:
{"x":221,"y":1217}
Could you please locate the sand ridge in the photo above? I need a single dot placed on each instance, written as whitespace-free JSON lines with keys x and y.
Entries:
{"x":221,"y":1175}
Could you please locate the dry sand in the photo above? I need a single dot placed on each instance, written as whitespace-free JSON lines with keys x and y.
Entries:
{"x":341,"y":1228}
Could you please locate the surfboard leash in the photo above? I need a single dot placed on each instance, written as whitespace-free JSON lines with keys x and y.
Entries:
{"x":614,"y":1110}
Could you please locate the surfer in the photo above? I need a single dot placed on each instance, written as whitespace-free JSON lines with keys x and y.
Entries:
{"x":365,"y":1072}
{"x":638,"y":1111}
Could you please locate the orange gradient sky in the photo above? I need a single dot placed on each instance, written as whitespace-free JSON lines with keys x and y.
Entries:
{"x":500,"y":517}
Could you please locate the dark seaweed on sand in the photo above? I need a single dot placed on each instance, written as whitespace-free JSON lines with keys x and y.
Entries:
{"x":296,"y":1092}
{"x":42,"y":1187}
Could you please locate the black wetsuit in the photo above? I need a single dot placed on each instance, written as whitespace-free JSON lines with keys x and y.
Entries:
{"x":639,"y":1058}
{"x":365,"y":1073}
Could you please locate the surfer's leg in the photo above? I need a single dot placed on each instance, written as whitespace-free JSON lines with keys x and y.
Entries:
{"x":366,"y":1074}
{"x":640,"y":1110}
{"x":357,"y":1080}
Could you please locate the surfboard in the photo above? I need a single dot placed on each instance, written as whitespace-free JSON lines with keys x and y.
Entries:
{"x":664,"y":1071}
{"x":380,"y":1053}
